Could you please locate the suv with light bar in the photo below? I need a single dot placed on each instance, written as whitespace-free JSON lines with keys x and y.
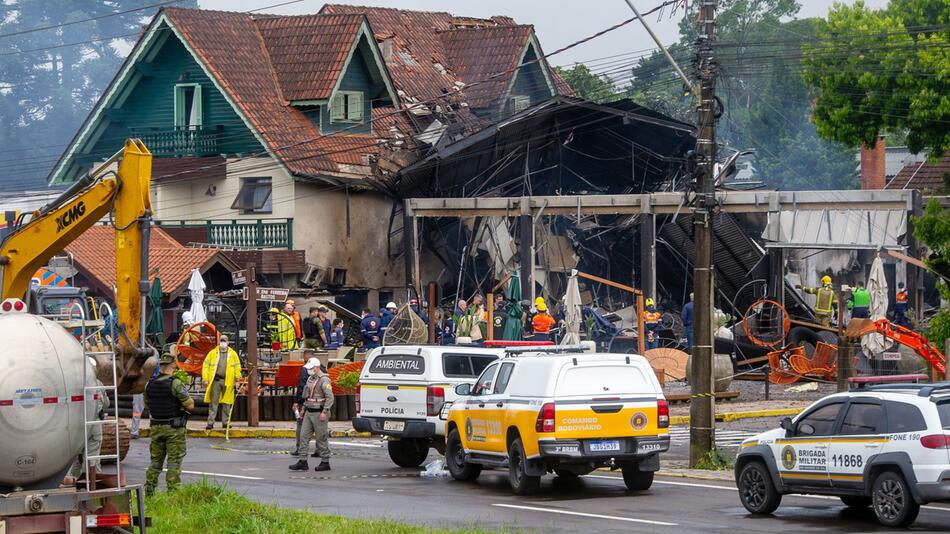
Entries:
{"x":559,"y":410}
{"x":402,"y":391}
{"x":885,"y":446}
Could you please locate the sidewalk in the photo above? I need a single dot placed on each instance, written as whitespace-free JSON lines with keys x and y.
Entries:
{"x":266,"y":429}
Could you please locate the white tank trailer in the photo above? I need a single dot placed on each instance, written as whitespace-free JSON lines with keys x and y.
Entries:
{"x":41,"y":417}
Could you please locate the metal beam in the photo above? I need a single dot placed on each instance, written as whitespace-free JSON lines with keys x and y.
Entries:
{"x":661,"y":203}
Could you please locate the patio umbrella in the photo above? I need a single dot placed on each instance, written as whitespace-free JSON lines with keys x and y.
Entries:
{"x":877,"y":286}
{"x":196,"y":286}
{"x":156,"y":323}
{"x":572,"y":312}
{"x":513,"y":328}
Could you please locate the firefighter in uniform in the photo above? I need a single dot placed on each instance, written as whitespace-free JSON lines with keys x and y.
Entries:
{"x":825,"y":300}
{"x":900,"y":306}
{"x":168,"y":404}
{"x":542,"y":322}
{"x":317,"y":401}
{"x":651,"y":323}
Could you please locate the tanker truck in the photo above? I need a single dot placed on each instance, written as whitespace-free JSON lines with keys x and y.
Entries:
{"x":48,"y":378}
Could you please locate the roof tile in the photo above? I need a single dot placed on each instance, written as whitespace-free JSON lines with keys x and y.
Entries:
{"x":926,"y":177}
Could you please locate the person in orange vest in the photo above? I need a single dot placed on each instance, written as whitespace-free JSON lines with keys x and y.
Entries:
{"x":290,"y":308}
{"x":542,"y":322}
{"x":900,"y":306}
{"x":651,"y":324}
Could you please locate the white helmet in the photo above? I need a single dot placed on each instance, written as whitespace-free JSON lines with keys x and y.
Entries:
{"x":391,"y":305}
{"x":187,"y":318}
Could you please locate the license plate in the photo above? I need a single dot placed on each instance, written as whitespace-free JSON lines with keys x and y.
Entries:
{"x":648,"y":447}
{"x":394,"y":426}
{"x":604,"y":446}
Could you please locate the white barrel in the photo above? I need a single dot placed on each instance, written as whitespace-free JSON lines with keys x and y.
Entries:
{"x":41,"y":414}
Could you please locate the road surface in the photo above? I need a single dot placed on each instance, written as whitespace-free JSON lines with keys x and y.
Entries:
{"x":365,"y":483}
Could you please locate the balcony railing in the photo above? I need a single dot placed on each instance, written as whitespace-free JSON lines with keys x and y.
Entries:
{"x":234,"y":233}
{"x":194,"y":141}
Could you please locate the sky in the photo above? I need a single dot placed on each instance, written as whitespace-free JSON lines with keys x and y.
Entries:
{"x":557,"y":22}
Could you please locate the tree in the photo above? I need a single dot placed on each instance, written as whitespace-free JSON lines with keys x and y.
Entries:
{"x":587,"y":85}
{"x":875,"y":71}
{"x":933,"y":229}
{"x":50,"y":78}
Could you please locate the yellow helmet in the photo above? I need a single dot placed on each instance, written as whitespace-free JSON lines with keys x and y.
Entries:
{"x":826,"y":280}
{"x":542,"y":307}
{"x":539,"y":301}
{"x":649,"y":302}
{"x":273,"y":310}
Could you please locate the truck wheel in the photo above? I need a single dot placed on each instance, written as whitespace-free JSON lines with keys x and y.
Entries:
{"x":893,"y":504}
{"x":521,"y":482}
{"x":635,"y":479}
{"x":856,"y":502}
{"x":756,"y":490}
{"x":455,"y":459}
{"x":408,"y":452}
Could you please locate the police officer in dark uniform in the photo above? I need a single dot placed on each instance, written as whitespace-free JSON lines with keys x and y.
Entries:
{"x":169,"y":404}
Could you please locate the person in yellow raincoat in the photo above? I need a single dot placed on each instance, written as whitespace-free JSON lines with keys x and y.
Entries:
{"x":282,"y":330}
{"x":220,"y":374}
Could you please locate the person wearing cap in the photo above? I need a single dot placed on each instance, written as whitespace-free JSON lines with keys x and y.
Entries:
{"x":316,"y":328}
{"x":317,"y":399}
{"x":280,"y":327}
{"x":369,"y":330}
{"x":542,"y":322}
{"x":290,"y":308}
{"x":298,"y":408}
{"x":388,"y":314}
{"x":220,"y":371}
{"x":168,"y":403}
{"x":95,"y":411}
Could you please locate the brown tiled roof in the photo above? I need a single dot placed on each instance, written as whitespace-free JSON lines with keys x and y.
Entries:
{"x":94,"y":255}
{"x":308,"y":52}
{"x":925,"y":177}
{"x":480,"y":55}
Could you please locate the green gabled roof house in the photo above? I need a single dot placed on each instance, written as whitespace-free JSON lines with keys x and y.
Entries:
{"x":281,"y":137}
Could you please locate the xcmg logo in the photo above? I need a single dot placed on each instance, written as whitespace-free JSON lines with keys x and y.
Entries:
{"x":71,"y":216}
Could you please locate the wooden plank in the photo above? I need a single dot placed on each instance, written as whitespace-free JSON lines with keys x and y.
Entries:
{"x":750,"y":361}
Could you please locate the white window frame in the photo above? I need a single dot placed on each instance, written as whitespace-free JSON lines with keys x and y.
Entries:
{"x":347,"y":106}
{"x":181,"y":114}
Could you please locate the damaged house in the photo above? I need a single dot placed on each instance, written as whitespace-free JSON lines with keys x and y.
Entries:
{"x":279,"y":138}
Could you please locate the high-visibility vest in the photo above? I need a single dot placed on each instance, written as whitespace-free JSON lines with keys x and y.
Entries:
{"x":542,"y":323}
{"x":861,"y":298}
{"x":902,"y":296}
{"x":651,"y":317}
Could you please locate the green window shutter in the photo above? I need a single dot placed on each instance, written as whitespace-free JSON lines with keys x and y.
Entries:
{"x":338,"y":108}
{"x":196,"y":107}
{"x":179,"y":106}
{"x":354,"y":108}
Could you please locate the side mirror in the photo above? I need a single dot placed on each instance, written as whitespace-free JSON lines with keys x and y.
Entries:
{"x":806,"y":429}
{"x":463,"y":390}
{"x":787,"y":424}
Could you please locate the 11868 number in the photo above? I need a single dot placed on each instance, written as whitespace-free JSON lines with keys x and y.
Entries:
{"x":847,"y":460}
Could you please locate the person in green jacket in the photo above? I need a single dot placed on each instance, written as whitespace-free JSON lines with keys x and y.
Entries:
{"x":860,"y":302}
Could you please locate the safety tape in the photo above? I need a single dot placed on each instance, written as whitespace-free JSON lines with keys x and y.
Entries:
{"x":702,"y":395}
{"x":33,"y":401}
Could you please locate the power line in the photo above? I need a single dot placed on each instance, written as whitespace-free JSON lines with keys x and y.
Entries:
{"x":90,"y":19}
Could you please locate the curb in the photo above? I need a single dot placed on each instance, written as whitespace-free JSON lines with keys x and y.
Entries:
{"x":735,"y":416}
{"x":261,"y":433}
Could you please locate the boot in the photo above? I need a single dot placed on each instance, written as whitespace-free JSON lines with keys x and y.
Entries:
{"x":314,"y":455}
{"x":324,"y":466}
{"x":209,"y":426}
{"x":301,"y":465}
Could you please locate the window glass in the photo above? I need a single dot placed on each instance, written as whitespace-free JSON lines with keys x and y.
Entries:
{"x":821,"y":419}
{"x":479,"y":363}
{"x":483,"y":386}
{"x":943,"y":409}
{"x":904,"y":417}
{"x":457,"y":365}
{"x":862,"y":418}
{"x":254,"y":196}
{"x":504,"y":375}
{"x":188,"y":106}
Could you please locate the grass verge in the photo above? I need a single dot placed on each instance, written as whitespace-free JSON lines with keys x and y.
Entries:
{"x":205,"y":507}
{"x":715,"y":460}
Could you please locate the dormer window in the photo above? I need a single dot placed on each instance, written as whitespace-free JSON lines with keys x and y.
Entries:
{"x":347,"y":106}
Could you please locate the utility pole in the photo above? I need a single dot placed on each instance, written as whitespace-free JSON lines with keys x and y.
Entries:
{"x":703,"y":403}
{"x":253,"y":410}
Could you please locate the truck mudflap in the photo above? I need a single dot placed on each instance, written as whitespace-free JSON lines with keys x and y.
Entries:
{"x":398,"y":428}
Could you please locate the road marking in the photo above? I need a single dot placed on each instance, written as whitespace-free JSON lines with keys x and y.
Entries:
{"x":222,"y":475}
{"x":582,"y":514}
{"x":730,"y":488}
{"x":348,"y":444}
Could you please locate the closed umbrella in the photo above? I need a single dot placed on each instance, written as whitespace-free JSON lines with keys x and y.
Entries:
{"x":572,"y":312}
{"x":156,"y":323}
{"x":513,"y":327}
{"x":877,"y":286}
{"x":196,"y":286}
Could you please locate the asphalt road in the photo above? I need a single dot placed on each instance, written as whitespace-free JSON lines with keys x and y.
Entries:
{"x":364,"y":483}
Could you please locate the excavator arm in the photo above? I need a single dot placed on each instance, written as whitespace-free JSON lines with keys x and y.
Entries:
{"x":909,"y":338}
{"x":120,"y":186}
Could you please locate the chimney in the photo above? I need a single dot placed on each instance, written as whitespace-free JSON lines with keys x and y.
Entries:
{"x":873,"y":165}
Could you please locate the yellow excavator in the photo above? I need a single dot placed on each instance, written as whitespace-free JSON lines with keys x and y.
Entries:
{"x":118,"y":188}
